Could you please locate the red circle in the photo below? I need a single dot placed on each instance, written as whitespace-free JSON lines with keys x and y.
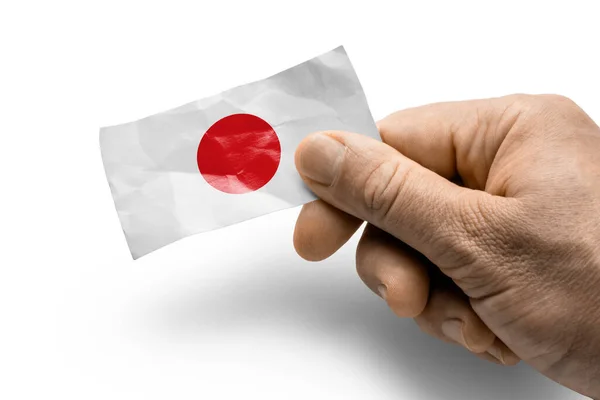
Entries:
{"x":239,"y":153}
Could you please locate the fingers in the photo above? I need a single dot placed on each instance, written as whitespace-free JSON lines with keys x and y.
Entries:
{"x":454,"y":138}
{"x":322,"y":229}
{"x":403,"y":279}
{"x":449,"y":317}
{"x":373,"y":182}
{"x":501,"y":352}
{"x":393,"y":271}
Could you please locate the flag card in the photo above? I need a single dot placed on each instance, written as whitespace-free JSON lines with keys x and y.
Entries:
{"x":227,"y":158}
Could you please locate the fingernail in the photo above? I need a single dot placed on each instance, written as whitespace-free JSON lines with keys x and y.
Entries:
{"x":320,"y":157}
{"x":503,"y":354}
{"x":497,"y":352}
{"x":382,"y":289}
{"x":453,"y":329}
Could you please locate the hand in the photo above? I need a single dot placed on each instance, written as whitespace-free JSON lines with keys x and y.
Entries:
{"x":483,"y":224}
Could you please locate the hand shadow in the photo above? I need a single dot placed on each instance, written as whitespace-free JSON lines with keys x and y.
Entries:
{"x":328,"y":299}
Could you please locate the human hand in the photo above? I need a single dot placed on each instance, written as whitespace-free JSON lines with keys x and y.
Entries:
{"x":483,"y":224}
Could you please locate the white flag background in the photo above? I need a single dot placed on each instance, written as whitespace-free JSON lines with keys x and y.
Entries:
{"x":152,"y":166}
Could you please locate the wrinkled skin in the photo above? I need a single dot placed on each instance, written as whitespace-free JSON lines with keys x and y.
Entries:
{"x":483,"y":225}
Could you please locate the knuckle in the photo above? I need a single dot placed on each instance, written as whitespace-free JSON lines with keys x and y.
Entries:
{"x":528,"y":101}
{"x":384,"y":185}
{"x":559,"y":117}
{"x":552,"y":110}
{"x":559,"y":107}
{"x":557,"y":100}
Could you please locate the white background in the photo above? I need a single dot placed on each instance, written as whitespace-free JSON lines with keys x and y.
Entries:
{"x":232,"y":314}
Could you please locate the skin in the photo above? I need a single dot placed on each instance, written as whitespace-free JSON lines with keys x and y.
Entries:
{"x":483,"y":224}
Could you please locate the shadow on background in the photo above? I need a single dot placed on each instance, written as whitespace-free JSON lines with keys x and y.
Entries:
{"x":330,"y":300}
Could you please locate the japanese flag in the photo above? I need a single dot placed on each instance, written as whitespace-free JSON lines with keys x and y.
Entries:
{"x":230,"y":157}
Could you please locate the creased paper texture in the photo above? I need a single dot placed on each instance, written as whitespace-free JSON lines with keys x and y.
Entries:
{"x":153,"y":171}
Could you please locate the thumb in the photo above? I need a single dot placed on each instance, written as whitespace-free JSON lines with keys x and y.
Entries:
{"x":374,"y":182}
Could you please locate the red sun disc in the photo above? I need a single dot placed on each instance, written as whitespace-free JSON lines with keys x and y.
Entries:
{"x":239,"y":153}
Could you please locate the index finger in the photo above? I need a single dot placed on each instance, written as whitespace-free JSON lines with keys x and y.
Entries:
{"x":453,"y":139}
{"x":322,"y":229}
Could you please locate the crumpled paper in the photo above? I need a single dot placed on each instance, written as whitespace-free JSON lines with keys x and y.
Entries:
{"x":152,"y":168}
